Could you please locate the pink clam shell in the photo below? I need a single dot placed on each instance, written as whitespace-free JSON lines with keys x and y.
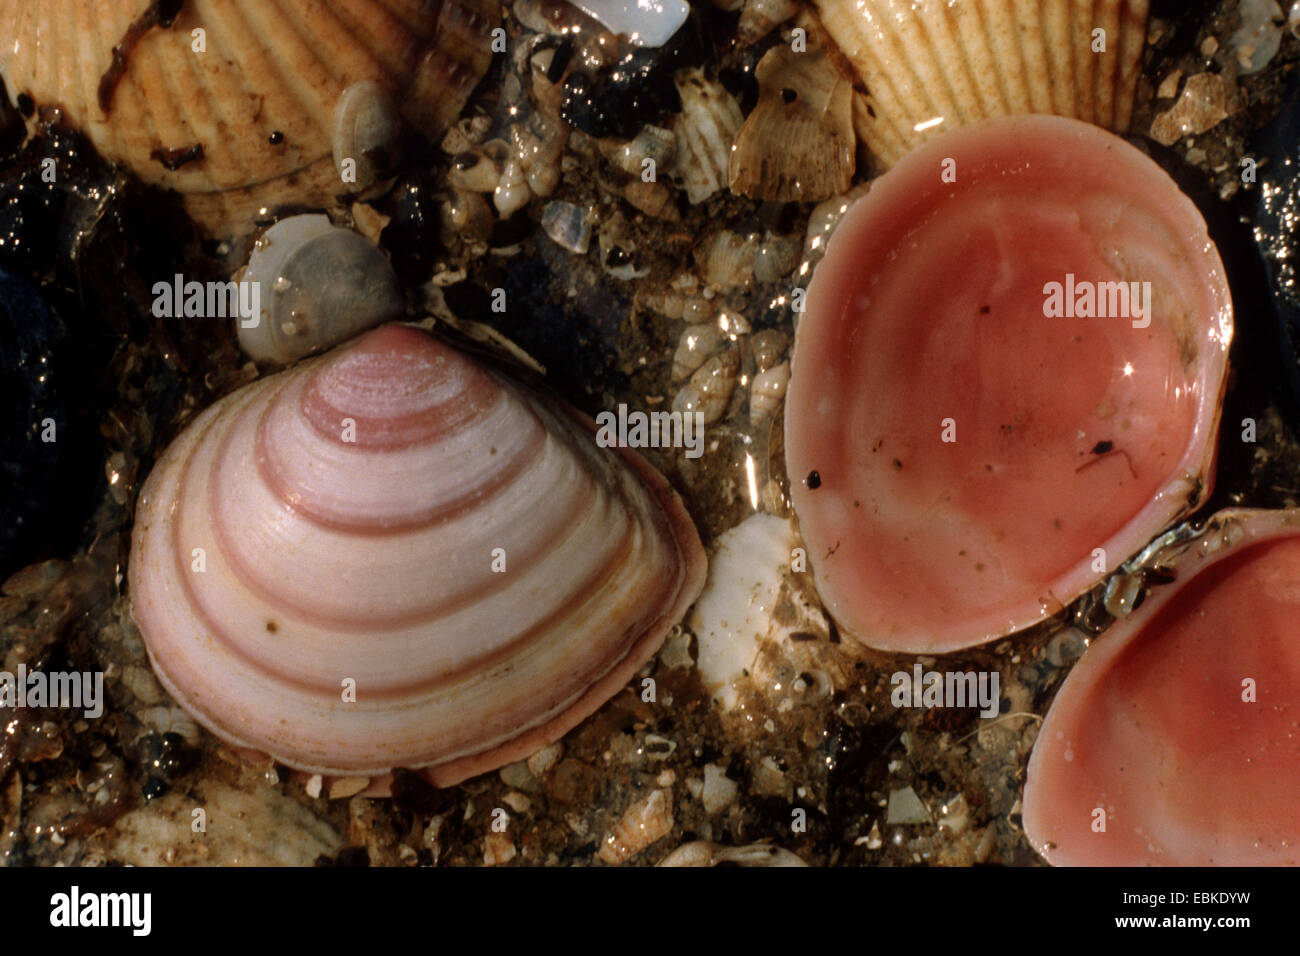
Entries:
{"x":328,"y":560}
{"x":1153,"y":726}
{"x":1071,"y":434}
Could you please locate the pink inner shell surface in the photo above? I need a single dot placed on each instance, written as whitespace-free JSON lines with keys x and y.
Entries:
{"x":1151,"y":726}
{"x":926,"y":321}
{"x":367,"y":554}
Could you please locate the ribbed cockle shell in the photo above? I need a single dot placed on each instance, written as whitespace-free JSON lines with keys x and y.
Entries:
{"x":232,"y":103}
{"x":928,"y":66}
{"x":398,"y":524}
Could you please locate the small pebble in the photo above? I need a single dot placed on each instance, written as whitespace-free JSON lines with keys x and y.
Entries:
{"x":546,"y":758}
{"x":719,"y":790}
{"x":1169,"y":85}
{"x":1203,"y":105}
{"x":498,"y":849}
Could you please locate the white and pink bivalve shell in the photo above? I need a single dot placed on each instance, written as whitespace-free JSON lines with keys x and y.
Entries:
{"x":392,"y":556}
{"x":1175,"y":741}
{"x":979,"y":426}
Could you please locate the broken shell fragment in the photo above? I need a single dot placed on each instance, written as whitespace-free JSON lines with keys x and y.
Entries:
{"x":798,"y":144}
{"x":318,"y":285}
{"x":931,"y":65}
{"x":642,"y":22}
{"x":1172,"y":742}
{"x":1204,"y":104}
{"x":232,"y":102}
{"x":701,"y":853}
{"x":967,"y":457}
{"x":392,"y":556}
{"x":705,"y":129}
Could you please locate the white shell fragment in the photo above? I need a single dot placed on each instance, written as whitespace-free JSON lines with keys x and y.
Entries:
{"x":161,"y":832}
{"x":318,"y":285}
{"x":700,"y":853}
{"x":643,"y":22}
{"x":705,"y":129}
{"x":719,"y":791}
{"x":735,"y":611}
{"x":906,"y":807}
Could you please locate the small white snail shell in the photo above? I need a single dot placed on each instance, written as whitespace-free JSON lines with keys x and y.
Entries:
{"x":697,"y":343}
{"x":767,"y":390}
{"x":479,"y":170}
{"x":512,"y":192}
{"x":367,"y":138}
{"x":768,"y":346}
{"x":709,"y":390}
{"x":393,"y":556}
{"x":318,"y":285}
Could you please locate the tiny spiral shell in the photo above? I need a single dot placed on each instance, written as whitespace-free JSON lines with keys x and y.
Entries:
{"x":709,"y":389}
{"x":767,"y":390}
